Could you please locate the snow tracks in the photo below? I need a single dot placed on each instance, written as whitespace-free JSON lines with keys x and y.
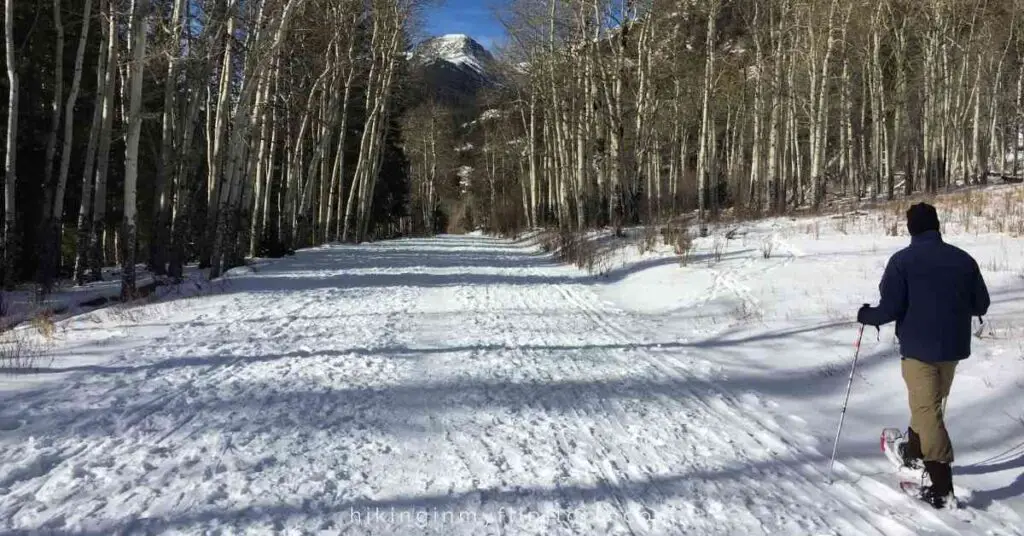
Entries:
{"x":444,"y":386}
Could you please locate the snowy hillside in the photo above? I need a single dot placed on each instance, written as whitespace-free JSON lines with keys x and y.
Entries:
{"x":470,"y":385}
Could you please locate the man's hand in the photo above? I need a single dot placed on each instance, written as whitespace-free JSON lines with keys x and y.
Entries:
{"x":862,"y":314}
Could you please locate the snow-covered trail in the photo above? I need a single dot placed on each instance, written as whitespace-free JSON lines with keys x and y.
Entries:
{"x":457,"y":385}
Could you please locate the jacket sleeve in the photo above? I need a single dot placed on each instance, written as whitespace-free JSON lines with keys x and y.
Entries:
{"x":893,"y":289}
{"x":981,"y":299}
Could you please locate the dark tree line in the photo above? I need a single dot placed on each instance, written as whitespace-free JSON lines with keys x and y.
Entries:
{"x":170,"y":132}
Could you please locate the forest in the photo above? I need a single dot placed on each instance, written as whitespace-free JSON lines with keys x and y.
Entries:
{"x":168,"y":133}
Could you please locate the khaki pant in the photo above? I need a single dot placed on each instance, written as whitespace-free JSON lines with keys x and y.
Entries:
{"x":927,"y":385}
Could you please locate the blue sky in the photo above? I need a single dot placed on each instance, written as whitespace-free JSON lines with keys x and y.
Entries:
{"x":471,"y":17}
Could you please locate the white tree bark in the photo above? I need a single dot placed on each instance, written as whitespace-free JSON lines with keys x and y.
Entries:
{"x":58,"y":94}
{"x":819,"y":83}
{"x":10,"y":232}
{"x":217,"y":157}
{"x":162,"y":193}
{"x":85,"y":207}
{"x":706,"y":124}
{"x":51,"y":248}
{"x":99,"y":212}
{"x":261,"y":53}
{"x":137,"y":47}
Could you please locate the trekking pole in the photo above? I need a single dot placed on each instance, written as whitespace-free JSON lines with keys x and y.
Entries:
{"x":842,"y":416}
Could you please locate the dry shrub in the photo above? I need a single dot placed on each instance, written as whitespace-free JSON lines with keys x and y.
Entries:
{"x":461,"y":221}
{"x":998,"y":210}
{"x":683,"y":246}
{"x":679,"y":238}
{"x":648,"y":240}
{"x":1013,"y":212}
{"x":20,"y":353}
{"x":718,"y":248}
{"x":573,"y":248}
{"x":547,"y":241}
{"x":43,"y":322}
{"x":1016,"y":226}
{"x":814,"y":229}
{"x":508,"y":220}
{"x":125,"y":313}
{"x":839,"y":223}
{"x":746,"y":311}
{"x":767,"y":247}
{"x":743,"y":213}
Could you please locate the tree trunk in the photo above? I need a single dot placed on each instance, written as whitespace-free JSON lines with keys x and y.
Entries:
{"x":532,"y":152}
{"x":137,"y":46}
{"x":819,"y":83}
{"x":52,"y":244}
{"x":995,"y":151}
{"x":706,"y":124}
{"x":977,"y":167}
{"x":99,"y":212}
{"x":159,"y":237}
{"x":227,"y":219}
{"x":338,"y":173}
{"x":51,"y":143}
{"x":10,"y":240}
{"x":775,"y":136}
{"x":215,"y":174}
{"x":263,"y":171}
{"x":84,"y":210}
{"x":1019,"y":125}
{"x":755,"y":157}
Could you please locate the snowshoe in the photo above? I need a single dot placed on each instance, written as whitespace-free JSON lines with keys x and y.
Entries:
{"x":928,"y":495}
{"x":893,"y":443}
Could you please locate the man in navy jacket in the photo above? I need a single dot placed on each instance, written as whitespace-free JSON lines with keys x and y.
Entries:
{"x":932,"y":290}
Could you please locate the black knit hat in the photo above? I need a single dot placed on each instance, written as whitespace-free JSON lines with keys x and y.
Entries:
{"x":922,"y":217}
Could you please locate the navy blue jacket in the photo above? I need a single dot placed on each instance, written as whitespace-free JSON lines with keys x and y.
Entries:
{"x":931,"y":289}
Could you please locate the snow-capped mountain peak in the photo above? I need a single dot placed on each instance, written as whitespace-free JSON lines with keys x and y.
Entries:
{"x":459,"y":50}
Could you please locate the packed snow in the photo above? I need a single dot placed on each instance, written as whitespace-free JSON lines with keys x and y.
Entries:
{"x":471,"y":385}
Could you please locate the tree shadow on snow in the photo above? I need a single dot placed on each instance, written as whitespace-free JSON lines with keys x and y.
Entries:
{"x":985,"y":498}
{"x":479,"y":507}
{"x":427,"y":263}
{"x":483,"y":506}
{"x":722,"y":341}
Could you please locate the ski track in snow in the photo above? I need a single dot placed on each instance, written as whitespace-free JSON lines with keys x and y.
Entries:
{"x":444,"y":386}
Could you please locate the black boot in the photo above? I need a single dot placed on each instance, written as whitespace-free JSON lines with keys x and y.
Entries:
{"x":941,"y":491}
{"x":910,"y":450}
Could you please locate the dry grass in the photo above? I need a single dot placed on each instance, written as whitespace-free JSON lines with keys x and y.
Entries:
{"x":835,"y":314}
{"x":992,"y":209}
{"x":748,"y":312}
{"x":997,"y":210}
{"x":22,"y":353}
{"x":829,"y":370}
